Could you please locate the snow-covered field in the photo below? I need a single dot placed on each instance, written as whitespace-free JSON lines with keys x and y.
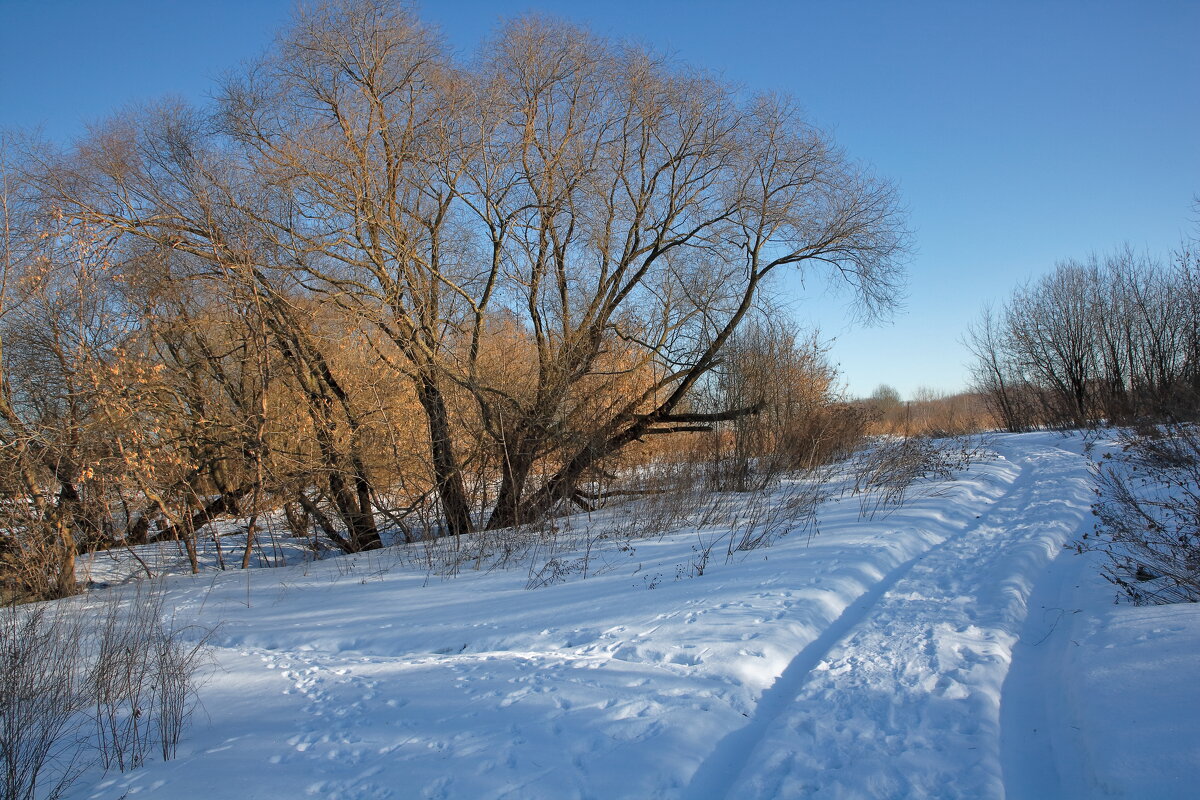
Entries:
{"x":954,"y":648}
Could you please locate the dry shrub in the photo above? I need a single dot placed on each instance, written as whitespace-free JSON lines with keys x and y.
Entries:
{"x":142,"y":681}
{"x":828,"y":434}
{"x":1149,"y":515}
{"x":81,"y":684}
{"x":886,"y":473}
{"x":798,"y":423}
{"x":932,"y":413}
{"x":43,"y":696}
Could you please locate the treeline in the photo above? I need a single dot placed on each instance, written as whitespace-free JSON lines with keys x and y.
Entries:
{"x":372,"y":285}
{"x":930,"y":413}
{"x":1113,"y":338}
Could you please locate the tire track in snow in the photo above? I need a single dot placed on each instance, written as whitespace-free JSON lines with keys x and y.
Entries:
{"x":891,"y":638}
{"x":717,"y":774}
{"x":1041,"y":755}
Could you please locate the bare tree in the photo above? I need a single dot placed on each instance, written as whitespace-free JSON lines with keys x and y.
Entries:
{"x":652,"y":205}
{"x":995,"y":374}
{"x":1107,"y":338}
{"x":616,"y":215}
{"x":60,"y":326}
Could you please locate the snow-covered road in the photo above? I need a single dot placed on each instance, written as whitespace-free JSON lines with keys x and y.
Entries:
{"x":951,"y":649}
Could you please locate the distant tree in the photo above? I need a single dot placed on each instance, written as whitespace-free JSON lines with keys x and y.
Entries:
{"x":1107,"y":338}
{"x":885,"y":396}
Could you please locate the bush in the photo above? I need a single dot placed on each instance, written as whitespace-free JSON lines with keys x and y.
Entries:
{"x":42,"y":697}
{"x":1149,"y":515}
{"x":141,"y":680}
{"x":885,"y":473}
{"x":81,"y":685}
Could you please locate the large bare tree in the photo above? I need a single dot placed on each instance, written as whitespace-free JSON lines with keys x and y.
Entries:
{"x":617,"y":215}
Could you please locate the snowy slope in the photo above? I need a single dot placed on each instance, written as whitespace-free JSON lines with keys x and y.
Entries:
{"x":951,"y":649}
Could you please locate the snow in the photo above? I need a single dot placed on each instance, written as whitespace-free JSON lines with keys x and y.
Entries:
{"x":953,"y":648}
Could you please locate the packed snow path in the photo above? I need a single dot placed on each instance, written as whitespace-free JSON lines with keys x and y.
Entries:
{"x":936,"y":652}
{"x":901,"y":696}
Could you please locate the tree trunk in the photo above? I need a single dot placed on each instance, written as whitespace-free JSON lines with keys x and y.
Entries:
{"x":446,"y":472}
{"x":517,"y":462}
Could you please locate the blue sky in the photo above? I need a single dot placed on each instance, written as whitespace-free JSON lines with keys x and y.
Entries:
{"x":1020,"y":133}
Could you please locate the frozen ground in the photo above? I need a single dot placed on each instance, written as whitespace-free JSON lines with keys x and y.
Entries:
{"x":951,"y":649}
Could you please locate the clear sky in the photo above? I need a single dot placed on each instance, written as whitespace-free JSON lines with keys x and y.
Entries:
{"x":1020,"y":133}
